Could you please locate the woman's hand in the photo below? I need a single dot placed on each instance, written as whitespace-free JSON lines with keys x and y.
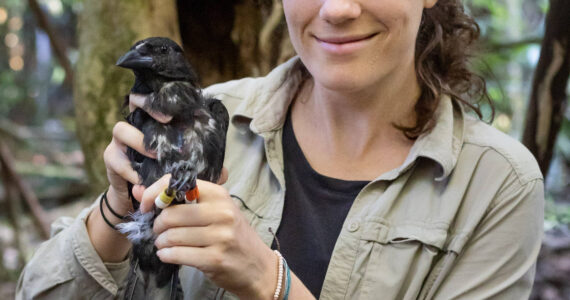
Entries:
{"x":214,"y":237}
{"x":109,"y":243}
{"x":118,"y":165}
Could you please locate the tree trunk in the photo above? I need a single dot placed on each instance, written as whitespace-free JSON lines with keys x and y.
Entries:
{"x":229,"y":39}
{"x":107,"y":29}
{"x":223,"y":40}
{"x":548,"y":98}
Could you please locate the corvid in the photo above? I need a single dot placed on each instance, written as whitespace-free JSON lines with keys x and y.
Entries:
{"x":191,"y":145}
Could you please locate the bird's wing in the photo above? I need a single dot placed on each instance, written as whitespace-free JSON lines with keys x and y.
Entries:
{"x":219,"y":113}
{"x":215,"y":143}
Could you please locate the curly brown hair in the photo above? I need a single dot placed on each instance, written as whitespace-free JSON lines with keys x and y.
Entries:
{"x":445,"y":38}
{"x":443,"y":49}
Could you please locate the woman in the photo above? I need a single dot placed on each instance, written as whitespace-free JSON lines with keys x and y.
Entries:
{"x":356,"y":159}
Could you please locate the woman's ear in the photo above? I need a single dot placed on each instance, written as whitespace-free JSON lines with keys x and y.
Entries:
{"x":429,"y":3}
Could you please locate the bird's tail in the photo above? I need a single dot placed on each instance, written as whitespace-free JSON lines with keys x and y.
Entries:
{"x":143,"y":286}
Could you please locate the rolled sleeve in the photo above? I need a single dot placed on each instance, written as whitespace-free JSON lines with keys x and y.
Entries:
{"x":498,"y":262}
{"x":68,"y":267}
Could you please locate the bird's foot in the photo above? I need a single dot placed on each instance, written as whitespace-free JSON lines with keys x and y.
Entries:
{"x":183,"y":176}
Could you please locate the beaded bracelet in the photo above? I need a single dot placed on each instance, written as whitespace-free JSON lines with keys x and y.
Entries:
{"x":279,"y":276}
{"x":287,"y":281}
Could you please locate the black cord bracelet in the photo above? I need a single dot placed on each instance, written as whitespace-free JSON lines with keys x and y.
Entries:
{"x":103,"y":215}
{"x":109,"y":207}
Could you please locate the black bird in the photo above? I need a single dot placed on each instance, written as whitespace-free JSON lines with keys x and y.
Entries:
{"x":190,"y":146}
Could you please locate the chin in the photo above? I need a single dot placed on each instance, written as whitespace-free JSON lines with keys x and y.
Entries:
{"x":341,"y":81}
{"x":343,"y":75}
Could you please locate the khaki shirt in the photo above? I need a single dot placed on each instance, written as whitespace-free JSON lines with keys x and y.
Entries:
{"x":461,"y":218}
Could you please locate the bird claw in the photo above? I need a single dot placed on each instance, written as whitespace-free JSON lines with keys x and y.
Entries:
{"x":183,"y":176}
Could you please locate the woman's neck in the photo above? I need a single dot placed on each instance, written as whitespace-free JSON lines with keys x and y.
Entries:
{"x":355,"y":129}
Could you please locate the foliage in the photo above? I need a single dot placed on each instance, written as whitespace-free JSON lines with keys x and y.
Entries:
{"x":563,"y":145}
{"x":509,"y":50}
{"x":556,"y":214}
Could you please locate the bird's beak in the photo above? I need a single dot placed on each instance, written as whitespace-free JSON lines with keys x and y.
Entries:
{"x":134,"y":60}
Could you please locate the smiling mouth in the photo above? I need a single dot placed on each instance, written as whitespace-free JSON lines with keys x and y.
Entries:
{"x":344,"y":40}
{"x":344,"y":45}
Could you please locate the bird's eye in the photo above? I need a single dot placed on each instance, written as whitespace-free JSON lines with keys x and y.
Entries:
{"x":163,"y":49}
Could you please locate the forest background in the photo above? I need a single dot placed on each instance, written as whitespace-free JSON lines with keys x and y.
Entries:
{"x":60,"y":95}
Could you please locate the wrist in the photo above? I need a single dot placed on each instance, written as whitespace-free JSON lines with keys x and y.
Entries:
{"x":110,"y":245}
{"x":119,"y":203}
{"x":283,"y":278}
{"x":263,"y":288}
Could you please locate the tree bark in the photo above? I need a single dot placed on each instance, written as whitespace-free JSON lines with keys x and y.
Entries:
{"x":229,"y":39}
{"x":107,"y":29}
{"x":548,"y":97}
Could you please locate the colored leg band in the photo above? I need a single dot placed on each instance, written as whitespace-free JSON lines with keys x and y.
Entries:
{"x":192,"y":194}
{"x":163,"y":200}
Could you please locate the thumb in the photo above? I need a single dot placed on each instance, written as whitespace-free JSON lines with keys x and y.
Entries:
{"x":138,"y":191}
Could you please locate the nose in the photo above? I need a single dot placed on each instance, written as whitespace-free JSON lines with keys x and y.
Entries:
{"x":339,"y":11}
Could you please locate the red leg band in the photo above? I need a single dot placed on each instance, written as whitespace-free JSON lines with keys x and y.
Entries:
{"x":192,"y":194}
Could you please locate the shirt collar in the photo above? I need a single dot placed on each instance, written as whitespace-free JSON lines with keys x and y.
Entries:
{"x":443,"y":143}
{"x":266,"y":106}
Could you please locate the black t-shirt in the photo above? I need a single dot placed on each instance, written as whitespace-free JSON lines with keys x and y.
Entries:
{"x":314,"y":212}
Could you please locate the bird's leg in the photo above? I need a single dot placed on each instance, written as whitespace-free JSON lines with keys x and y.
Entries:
{"x":183,"y":177}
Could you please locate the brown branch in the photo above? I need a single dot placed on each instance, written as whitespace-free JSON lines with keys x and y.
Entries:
{"x":12,"y":209}
{"x":266,"y":34}
{"x":62,"y":194}
{"x":39,"y":216}
{"x":491,"y":46}
{"x":548,"y":97}
{"x":56,"y":44}
{"x":22,"y":133}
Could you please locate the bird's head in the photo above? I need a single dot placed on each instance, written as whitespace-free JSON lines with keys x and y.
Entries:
{"x":158,"y":58}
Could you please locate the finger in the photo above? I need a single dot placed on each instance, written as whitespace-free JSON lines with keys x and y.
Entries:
{"x":151,"y":192}
{"x":117,"y":161}
{"x":190,"y":236}
{"x":211,"y":192}
{"x":138,"y":191}
{"x":127,"y":135}
{"x":204,"y":259}
{"x":223,"y":176}
{"x":194,"y":215}
{"x":160,"y":117}
{"x":138,"y":100}
{"x":131,"y":107}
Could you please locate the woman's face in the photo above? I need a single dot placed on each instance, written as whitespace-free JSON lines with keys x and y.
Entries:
{"x":351,"y":45}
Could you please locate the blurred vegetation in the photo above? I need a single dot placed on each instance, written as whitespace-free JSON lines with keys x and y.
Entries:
{"x":38,"y":124}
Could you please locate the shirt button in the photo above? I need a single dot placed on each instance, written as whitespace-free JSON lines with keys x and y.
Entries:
{"x":353,"y":226}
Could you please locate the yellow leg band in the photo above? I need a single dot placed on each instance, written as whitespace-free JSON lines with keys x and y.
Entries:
{"x":163,"y":200}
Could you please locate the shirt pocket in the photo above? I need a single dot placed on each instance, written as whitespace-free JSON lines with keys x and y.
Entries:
{"x":394,"y":260}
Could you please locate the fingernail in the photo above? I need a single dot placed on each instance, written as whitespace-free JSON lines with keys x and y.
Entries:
{"x":162,"y":118}
{"x":137,"y":99}
{"x":160,"y":252}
